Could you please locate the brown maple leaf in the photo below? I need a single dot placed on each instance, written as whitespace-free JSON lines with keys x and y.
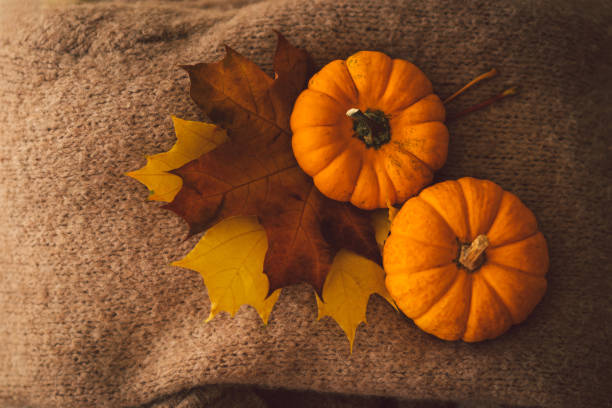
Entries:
{"x":255,"y":173}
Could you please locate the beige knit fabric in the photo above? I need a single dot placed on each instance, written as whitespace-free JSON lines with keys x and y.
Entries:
{"x":92,"y":315}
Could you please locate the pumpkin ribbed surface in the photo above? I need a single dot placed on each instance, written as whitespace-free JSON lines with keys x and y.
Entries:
{"x":408,"y":139}
{"x":472,"y":301}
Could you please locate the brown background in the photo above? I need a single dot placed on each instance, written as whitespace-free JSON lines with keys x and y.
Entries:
{"x":92,"y":315}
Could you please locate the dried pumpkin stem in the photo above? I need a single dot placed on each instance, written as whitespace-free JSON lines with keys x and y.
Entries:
{"x":472,"y":255}
{"x":372,"y":127}
{"x":473,"y":82}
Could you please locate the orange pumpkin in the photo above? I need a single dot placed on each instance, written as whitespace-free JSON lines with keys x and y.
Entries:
{"x":369,"y":130}
{"x":465,"y":260}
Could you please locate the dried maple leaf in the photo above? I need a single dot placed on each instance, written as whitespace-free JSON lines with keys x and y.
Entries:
{"x":230,"y":259}
{"x":240,"y":97}
{"x":255,"y":173}
{"x":193,"y":140}
{"x":351,"y":281}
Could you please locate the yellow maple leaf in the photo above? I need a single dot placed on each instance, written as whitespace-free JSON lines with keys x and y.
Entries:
{"x":193,"y":140}
{"x":381,"y":221}
{"x":347,"y":289}
{"x":382,"y":226}
{"x":230,"y":258}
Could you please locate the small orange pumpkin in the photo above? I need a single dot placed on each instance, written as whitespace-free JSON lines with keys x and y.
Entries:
{"x":465,"y":260}
{"x":369,"y":130}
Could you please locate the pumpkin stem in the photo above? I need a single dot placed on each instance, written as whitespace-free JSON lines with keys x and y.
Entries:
{"x":372,"y":127}
{"x":474,"y":81}
{"x":502,"y":95}
{"x":472,"y":255}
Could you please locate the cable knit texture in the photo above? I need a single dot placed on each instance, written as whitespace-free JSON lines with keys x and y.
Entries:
{"x":91,"y":313}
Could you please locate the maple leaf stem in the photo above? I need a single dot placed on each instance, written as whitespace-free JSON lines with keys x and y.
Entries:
{"x":499,"y":96}
{"x":473,"y":82}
